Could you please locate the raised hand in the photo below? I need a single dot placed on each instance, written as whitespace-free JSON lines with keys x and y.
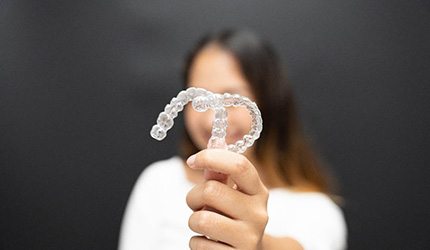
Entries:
{"x":239,"y":214}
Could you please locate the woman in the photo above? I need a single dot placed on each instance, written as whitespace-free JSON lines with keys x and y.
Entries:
{"x":280,"y":197}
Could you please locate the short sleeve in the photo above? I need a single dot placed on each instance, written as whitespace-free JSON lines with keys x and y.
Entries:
{"x":312,"y":219}
{"x":140,"y":215}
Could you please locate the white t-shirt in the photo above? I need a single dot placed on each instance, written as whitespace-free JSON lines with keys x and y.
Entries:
{"x":156,"y":217}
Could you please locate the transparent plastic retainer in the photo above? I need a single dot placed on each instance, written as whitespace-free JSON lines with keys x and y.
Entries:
{"x":202,"y":100}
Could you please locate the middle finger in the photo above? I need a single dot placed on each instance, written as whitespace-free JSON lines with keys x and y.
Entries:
{"x":221,"y":197}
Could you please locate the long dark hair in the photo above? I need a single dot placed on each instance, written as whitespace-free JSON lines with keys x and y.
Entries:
{"x":281,"y":142}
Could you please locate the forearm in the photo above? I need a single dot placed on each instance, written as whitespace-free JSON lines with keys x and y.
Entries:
{"x":275,"y":243}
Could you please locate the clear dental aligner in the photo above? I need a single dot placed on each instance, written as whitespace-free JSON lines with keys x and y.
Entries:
{"x":202,"y":100}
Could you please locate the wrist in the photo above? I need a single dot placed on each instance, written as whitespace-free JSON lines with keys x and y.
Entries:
{"x":269,"y":242}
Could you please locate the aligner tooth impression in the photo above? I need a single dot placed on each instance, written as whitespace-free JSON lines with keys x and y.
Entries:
{"x":202,"y":100}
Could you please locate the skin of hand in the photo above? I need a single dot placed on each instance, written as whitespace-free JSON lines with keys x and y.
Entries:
{"x":238,"y":215}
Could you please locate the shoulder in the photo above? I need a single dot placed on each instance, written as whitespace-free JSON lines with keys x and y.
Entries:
{"x":148,"y":203}
{"x":311,"y":217}
{"x":314,"y":200}
{"x":160,"y":168}
{"x":161,"y":174}
{"x":163,"y":169}
{"x":303,"y":202}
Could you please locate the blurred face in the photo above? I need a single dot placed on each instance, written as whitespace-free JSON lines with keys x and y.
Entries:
{"x":218,"y":71}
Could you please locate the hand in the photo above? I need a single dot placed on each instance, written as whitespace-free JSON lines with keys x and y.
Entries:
{"x":241,"y":213}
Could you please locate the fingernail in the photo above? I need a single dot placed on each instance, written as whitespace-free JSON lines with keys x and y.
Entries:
{"x":191,"y":160}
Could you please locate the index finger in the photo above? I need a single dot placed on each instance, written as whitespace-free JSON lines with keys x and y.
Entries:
{"x":237,"y":166}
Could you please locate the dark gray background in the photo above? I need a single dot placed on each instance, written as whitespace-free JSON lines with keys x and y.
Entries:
{"x":81,"y":83}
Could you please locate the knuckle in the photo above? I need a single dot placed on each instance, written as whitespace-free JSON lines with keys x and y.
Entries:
{"x":261,"y":217}
{"x":241,"y":165}
{"x":265,"y":190}
{"x":254,"y":235}
{"x":265,"y":193}
{"x":253,"y":238}
{"x":211,"y":191}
